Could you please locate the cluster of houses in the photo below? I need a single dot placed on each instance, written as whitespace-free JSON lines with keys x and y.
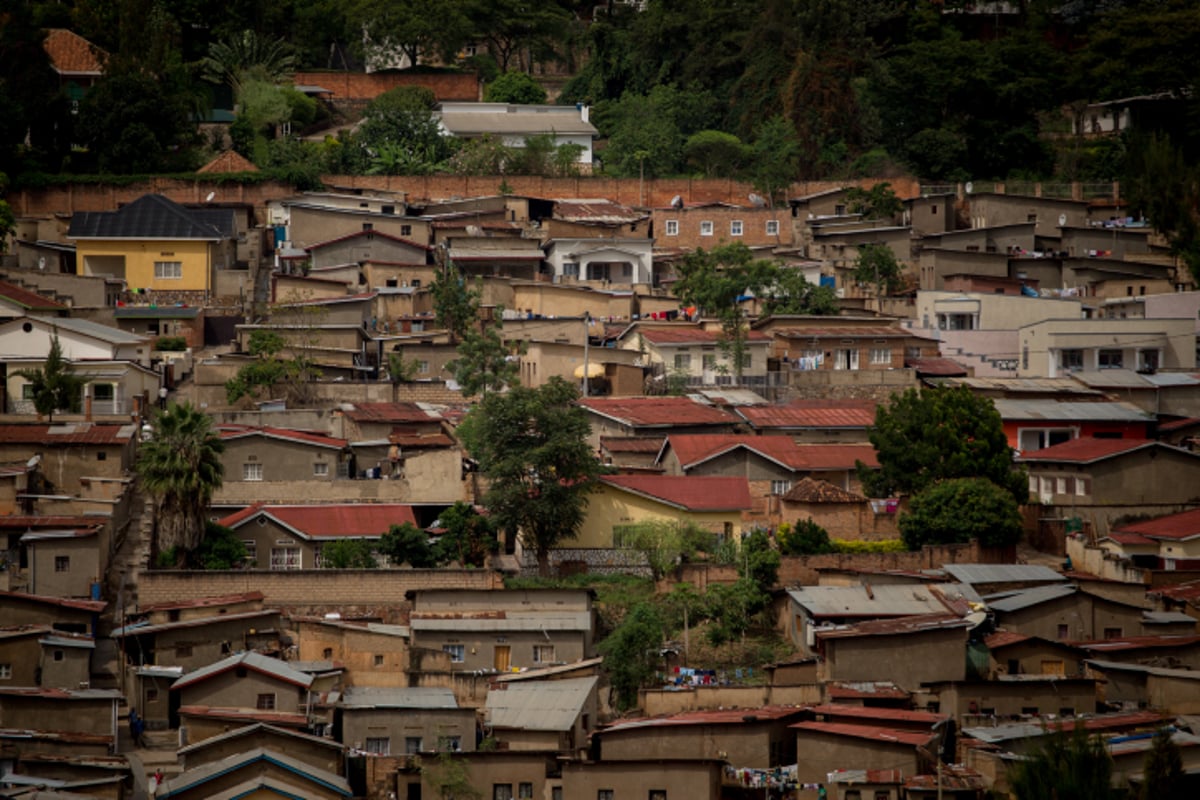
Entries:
{"x":910,"y":674}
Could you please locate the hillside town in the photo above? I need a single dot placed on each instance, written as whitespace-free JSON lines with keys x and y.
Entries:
{"x":565,"y":485}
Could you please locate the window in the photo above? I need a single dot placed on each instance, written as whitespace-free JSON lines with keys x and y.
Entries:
{"x":451,"y":743}
{"x":423,"y":367}
{"x":604,"y":794}
{"x":683,"y":361}
{"x":672,"y":227}
{"x":320,"y":469}
{"x":1064,"y":631}
{"x":1083,"y":487}
{"x":706,"y":228}
{"x":881,"y":355}
{"x":412,"y":744}
{"x":285,"y":558}
{"x":168,"y":270}
{"x":1029,"y":711}
{"x":103,"y":392}
{"x":1112,"y":633}
{"x":556,"y":793}
{"x":543,"y":654}
{"x":747,"y":359}
{"x":378,"y":745}
{"x":327,"y":653}
{"x":658,"y":794}
{"x":457,"y":652}
{"x":710,"y":361}
{"x":735,"y":227}
{"x":1111,"y":359}
{"x":781,"y":487}
{"x":27,"y":391}
{"x":525,"y":790}
{"x":1070,"y":359}
{"x":252,"y":472}
{"x":772,"y":227}
{"x":883,"y":795}
{"x":378,"y":659}
{"x":5,"y":672}
{"x":251,"y":546}
{"x":266,"y":702}
{"x":62,"y":563}
{"x":406,"y":230}
{"x":1148,"y":360}
{"x":502,"y":791}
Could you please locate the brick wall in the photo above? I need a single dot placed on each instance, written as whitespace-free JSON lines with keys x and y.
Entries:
{"x":307,"y":588}
{"x":361,"y":87}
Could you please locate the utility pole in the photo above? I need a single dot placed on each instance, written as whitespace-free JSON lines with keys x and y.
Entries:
{"x":587,"y":378}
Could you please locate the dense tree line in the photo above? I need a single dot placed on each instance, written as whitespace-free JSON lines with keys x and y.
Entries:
{"x":824,"y":88}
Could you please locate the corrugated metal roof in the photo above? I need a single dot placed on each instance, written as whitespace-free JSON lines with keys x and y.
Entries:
{"x":1177,"y":527}
{"x":864,"y":712}
{"x":1166,"y":618}
{"x":657,"y":411}
{"x":1127,"y":643}
{"x":688,"y":492}
{"x":1088,"y":450}
{"x":1020,"y":385}
{"x":922,"y":623}
{"x":853,"y":690}
{"x":1072,"y":411}
{"x":539,"y":705}
{"x":886,"y":600}
{"x":841,"y":415}
{"x":531,"y":621}
{"x":422,"y":697}
{"x":192,"y":779}
{"x":1001,"y":573}
{"x":1162,"y":672}
{"x":596,"y":210}
{"x":853,"y":776}
{"x":876,"y":733}
{"x":725,"y":716}
{"x":141,"y":628}
{"x":1032,"y":597}
{"x":250,"y":660}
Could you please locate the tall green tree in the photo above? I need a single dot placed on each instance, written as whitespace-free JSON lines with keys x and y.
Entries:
{"x":407,"y":544}
{"x":1165,"y":185}
{"x":486,"y":363}
{"x":877,"y":266}
{"x":515,"y":87}
{"x":469,"y":537}
{"x":248,"y":56}
{"x":1162,"y":774}
{"x":925,"y":436}
{"x":958,"y":510}
{"x":716,"y":281}
{"x":518,"y":33}
{"x":1069,"y":766}
{"x":791,"y":293}
{"x":878,"y":202}
{"x":455,"y":304}
{"x":434,"y":29}
{"x":775,"y":158}
{"x":715,"y":154}
{"x":54,"y":387}
{"x":403,"y":119}
{"x":180,"y":466}
{"x":633,"y":652}
{"x":532,"y":447}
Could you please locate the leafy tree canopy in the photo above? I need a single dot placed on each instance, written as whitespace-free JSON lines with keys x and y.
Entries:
{"x":926,"y":436}
{"x":348,"y":554}
{"x":804,"y":538}
{"x":959,"y":510}
{"x":877,"y":266}
{"x":1069,"y":766}
{"x":54,"y":387}
{"x":515,"y":87}
{"x":407,"y":544}
{"x":632,"y":653}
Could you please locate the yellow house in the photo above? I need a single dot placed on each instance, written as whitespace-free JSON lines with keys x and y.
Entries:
{"x":155,"y":244}
{"x":714,"y":503}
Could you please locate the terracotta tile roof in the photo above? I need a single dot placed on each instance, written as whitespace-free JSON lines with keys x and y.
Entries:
{"x":727,"y":716}
{"x":1179,"y":424}
{"x":691,"y":493}
{"x":71,"y":54}
{"x":1129,"y":538}
{"x":893,"y":714}
{"x":690,"y":335}
{"x":657,"y":412}
{"x":417,"y":441}
{"x":1177,"y":527}
{"x":815,"y":490}
{"x":230,"y":432}
{"x":370,"y":235}
{"x":31,"y":301}
{"x":632,"y":444}
{"x":359,"y":520}
{"x":390,"y":413}
{"x":229,"y":161}
{"x":877,"y":733}
{"x":69,"y":433}
{"x":1086,"y":450}
{"x":796,"y":416}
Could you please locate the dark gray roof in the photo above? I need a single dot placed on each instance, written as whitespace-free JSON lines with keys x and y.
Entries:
{"x":1001,"y":573}
{"x":153,"y":216}
{"x":427,"y":697}
{"x":156,"y":312}
{"x":1032,"y":597}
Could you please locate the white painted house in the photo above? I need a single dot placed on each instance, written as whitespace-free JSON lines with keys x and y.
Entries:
{"x":512,"y":124}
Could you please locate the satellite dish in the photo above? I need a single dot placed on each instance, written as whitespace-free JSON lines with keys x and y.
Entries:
{"x":970,"y":187}
{"x":976,"y":618}
{"x":1062,"y":220}
{"x":676,"y":202}
{"x":210,"y":197}
{"x":757,"y":200}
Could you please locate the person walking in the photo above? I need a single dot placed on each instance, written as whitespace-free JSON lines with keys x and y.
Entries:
{"x":136,"y":727}
{"x":162,"y":397}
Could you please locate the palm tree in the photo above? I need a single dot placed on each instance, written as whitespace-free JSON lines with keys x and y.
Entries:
{"x":180,"y":466}
{"x":244,"y":55}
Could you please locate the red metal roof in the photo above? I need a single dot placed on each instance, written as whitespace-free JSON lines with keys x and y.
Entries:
{"x":1184,"y":525}
{"x":848,"y":332}
{"x":417,"y":441}
{"x":726,"y":716}
{"x":28,"y":299}
{"x":358,"y":521}
{"x":228,"y":432}
{"x":1179,"y":424}
{"x":1129,"y":538}
{"x":693,"y":449}
{"x":921,"y":623}
{"x":692,"y":493}
{"x":246,"y":714}
{"x":875,"y":733}
{"x":827,"y":415}
{"x":853,"y":776}
{"x":1085,"y":450}
{"x":229,"y":161}
{"x":20,"y":522}
{"x":632,"y":444}
{"x":689,"y":334}
{"x":863,"y":712}
{"x":95,"y":606}
{"x":939,"y":367}
{"x":1004,"y":639}
{"x":65,"y":433}
{"x":849,"y":690}
{"x":1184,"y":591}
{"x":657,"y":411}
{"x":393,"y":413}
{"x":1126,"y":643}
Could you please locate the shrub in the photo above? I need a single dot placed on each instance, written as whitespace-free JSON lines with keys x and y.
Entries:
{"x":171,"y":344}
{"x":885,"y":546}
